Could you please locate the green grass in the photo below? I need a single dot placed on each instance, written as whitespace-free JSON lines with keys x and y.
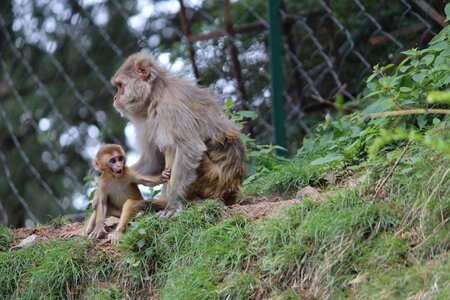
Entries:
{"x":5,"y":238}
{"x":49,"y":270}
{"x":428,"y":280}
{"x":398,"y":242}
{"x":287,"y":177}
{"x":103,"y":293}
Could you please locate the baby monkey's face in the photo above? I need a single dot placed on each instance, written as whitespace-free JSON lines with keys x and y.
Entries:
{"x":116,"y":164}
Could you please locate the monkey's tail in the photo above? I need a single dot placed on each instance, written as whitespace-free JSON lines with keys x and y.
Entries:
{"x":153,"y":204}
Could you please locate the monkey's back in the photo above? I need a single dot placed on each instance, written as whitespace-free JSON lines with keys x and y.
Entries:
{"x":222,"y":170}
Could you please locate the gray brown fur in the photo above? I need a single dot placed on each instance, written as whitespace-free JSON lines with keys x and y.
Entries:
{"x":208,"y":156}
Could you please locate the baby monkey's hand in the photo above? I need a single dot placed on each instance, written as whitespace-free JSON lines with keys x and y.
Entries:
{"x":165,"y":176}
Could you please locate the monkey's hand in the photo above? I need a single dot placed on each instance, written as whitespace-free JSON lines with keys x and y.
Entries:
{"x":98,"y":232}
{"x":165,"y":176}
{"x":114,"y":237}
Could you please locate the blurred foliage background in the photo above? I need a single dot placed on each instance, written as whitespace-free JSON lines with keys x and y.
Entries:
{"x":57,"y":57}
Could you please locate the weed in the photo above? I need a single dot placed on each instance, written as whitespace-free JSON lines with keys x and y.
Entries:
{"x":6,"y":237}
{"x":49,"y":270}
{"x":103,"y":293}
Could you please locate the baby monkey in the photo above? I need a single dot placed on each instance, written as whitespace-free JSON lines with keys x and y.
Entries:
{"x":117,"y":194}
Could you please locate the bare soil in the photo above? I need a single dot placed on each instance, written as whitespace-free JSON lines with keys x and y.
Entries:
{"x":256,"y":208}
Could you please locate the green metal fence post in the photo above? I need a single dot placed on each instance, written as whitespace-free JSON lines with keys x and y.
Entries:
{"x":276,"y":73}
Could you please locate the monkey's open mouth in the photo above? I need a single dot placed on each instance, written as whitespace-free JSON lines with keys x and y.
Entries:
{"x":118,"y":172}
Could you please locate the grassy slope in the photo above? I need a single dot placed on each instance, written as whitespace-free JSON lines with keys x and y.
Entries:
{"x":398,"y":245}
{"x":382,"y":234}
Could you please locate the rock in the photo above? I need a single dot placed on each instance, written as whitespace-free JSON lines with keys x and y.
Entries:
{"x":111,"y":221}
{"x":27,"y":242}
{"x":358,"y":279}
{"x":353,"y":183}
{"x":309,"y":192}
{"x":330,"y":178}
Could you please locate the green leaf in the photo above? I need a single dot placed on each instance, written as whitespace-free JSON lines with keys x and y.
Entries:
{"x":447,"y":12}
{"x":405,"y":89}
{"x":141,"y":243}
{"x":351,"y":148}
{"x":371,"y":77}
{"x":428,"y":59}
{"x":439,"y":97}
{"x":228,"y":103}
{"x":411,"y":52}
{"x":421,"y":121}
{"x":247,"y":114}
{"x":332,"y":157}
{"x":404,"y":69}
{"x":436,"y":121}
{"x":419,"y":77}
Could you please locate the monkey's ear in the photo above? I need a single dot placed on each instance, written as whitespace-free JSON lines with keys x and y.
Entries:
{"x":144,"y":70}
{"x":96,"y":165}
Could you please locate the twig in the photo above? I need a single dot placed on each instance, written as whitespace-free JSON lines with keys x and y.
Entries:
{"x":330,"y":103}
{"x":417,"y":111}
{"x":438,"y":186}
{"x":391,"y":172}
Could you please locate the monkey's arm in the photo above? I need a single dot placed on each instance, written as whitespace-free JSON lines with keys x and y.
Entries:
{"x":149,"y":180}
{"x":100,"y":214}
{"x":151,"y":161}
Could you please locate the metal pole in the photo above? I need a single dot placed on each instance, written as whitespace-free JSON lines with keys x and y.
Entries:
{"x":276,"y":73}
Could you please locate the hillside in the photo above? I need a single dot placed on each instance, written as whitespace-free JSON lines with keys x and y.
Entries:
{"x":361,"y":211}
{"x":336,"y":240}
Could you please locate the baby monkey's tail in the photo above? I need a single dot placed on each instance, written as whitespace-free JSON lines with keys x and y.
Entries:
{"x":153,"y":204}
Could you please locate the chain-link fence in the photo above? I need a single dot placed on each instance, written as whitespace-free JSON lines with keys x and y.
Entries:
{"x":57,"y":57}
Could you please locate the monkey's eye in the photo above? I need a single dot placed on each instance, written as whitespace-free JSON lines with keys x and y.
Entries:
{"x":112,"y":160}
{"x":120,"y":158}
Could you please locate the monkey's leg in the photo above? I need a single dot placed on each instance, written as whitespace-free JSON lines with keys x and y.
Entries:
{"x":113,"y":211}
{"x":85,"y":230}
{"x":183,"y":174}
{"x":129,"y":210}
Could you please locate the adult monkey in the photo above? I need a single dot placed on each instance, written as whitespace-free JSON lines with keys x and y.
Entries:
{"x":175,"y":117}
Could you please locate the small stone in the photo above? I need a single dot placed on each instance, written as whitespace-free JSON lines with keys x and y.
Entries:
{"x":27,"y":242}
{"x":330,"y":178}
{"x":358,"y":279}
{"x":111,"y":221}
{"x":309,"y":192}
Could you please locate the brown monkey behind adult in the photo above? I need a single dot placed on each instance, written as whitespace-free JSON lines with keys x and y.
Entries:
{"x":175,"y":118}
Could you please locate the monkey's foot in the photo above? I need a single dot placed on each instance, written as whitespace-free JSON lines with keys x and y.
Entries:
{"x":167,"y":213}
{"x":114,"y":237}
{"x":98,"y":233}
{"x":77,"y":232}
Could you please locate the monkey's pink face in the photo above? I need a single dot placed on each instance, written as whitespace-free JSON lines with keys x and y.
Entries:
{"x":116,"y":164}
{"x":120,"y":91}
{"x":132,"y":95}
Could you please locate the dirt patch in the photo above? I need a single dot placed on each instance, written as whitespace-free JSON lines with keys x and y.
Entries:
{"x":260,"y":210}
{"x":48,"y":233}
{"x":44,"y":233}
{"x":255,"y":208}
{"x":247,"y":200}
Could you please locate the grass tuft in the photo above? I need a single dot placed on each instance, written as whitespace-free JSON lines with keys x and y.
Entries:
{"x":49,"y":270}
{"x":6,"y":236}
